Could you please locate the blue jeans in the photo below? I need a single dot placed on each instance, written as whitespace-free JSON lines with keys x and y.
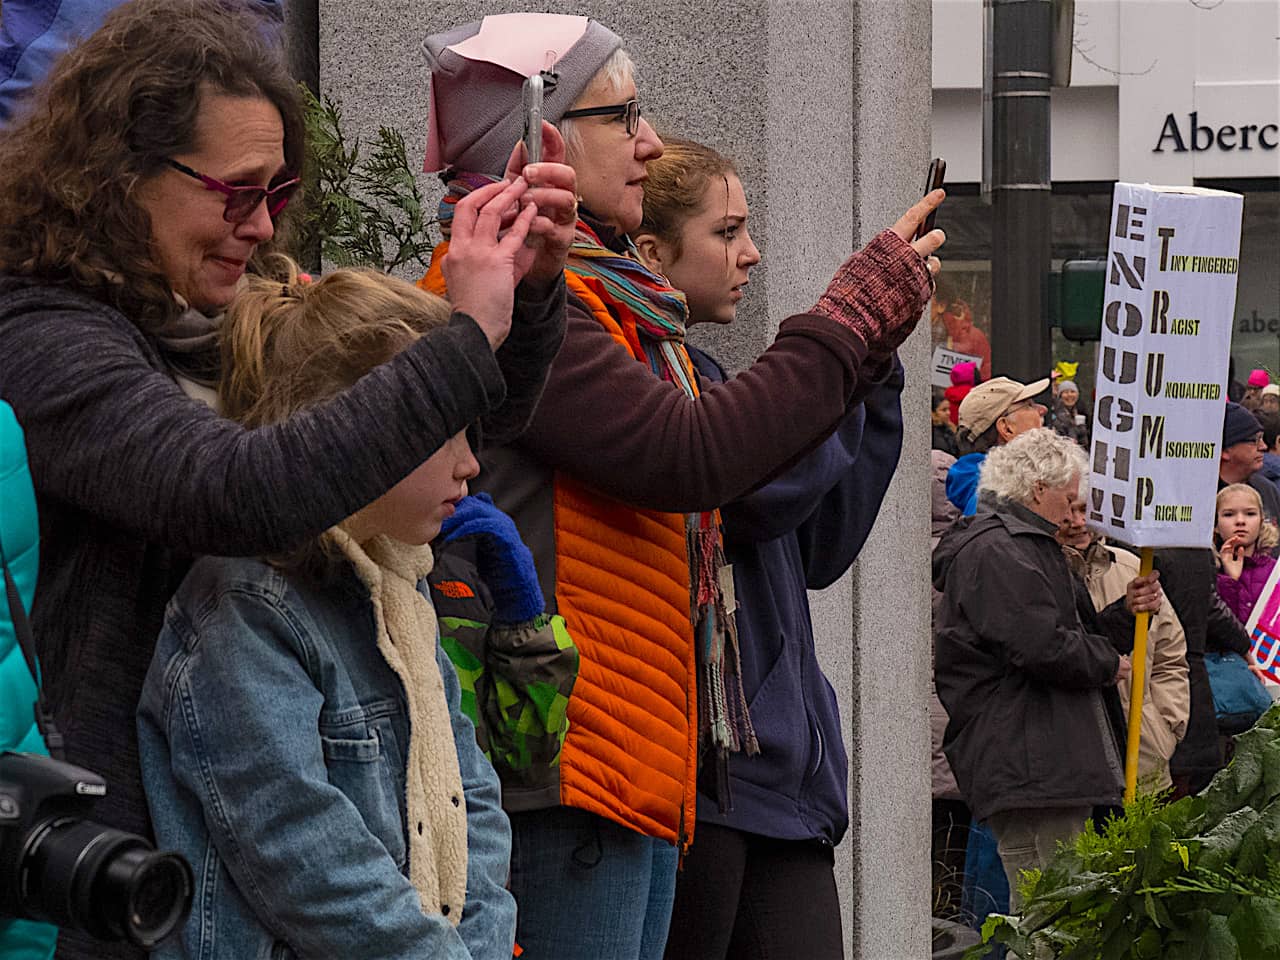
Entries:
{"x":986,"y":888}
{"x":587,"y":888}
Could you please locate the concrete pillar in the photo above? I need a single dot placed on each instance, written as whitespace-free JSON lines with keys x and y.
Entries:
{"x":887,"y":735}
{"x":825,"y":108}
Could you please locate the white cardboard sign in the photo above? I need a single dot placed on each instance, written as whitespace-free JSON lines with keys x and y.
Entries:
{"x":1169,"y":301}
{"x":944,"y":360}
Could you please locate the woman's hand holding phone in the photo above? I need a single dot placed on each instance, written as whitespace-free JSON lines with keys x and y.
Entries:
{"x":553,"y":190}
{"x":916,"y":225}
{"x":487,"y":255}
{"x":910,"y":223}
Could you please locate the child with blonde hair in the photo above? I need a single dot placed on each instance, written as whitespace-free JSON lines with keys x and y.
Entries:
{"x":301,"y":732}
{"x":1243,"y":540}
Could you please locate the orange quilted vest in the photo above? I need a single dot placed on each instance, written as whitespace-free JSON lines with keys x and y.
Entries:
{"x":622,"y":586}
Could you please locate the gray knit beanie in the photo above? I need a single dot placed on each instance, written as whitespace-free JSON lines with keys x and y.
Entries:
{"x":476,"y":113}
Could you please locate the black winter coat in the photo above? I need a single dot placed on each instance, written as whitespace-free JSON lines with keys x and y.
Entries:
{"x":1025,"y":684}
{"x":944,"y":439}
{"x":1189,"y":582}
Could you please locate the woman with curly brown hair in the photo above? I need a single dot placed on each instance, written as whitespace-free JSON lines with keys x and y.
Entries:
{"x":134,"y":193}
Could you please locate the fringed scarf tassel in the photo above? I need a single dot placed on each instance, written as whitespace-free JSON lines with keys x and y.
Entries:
{"x":724,"y":722}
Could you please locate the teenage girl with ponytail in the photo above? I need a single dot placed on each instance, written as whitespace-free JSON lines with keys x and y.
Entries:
{"x":759,"y":879}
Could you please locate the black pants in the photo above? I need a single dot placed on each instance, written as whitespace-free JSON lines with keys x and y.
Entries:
{"x":747,"y":897}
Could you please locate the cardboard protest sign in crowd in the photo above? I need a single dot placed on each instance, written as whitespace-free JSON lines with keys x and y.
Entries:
{"x":1169,"y":300}
{"x":1166,"y":337}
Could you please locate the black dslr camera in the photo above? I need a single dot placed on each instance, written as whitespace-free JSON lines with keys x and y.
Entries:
{"x":58,"y":866}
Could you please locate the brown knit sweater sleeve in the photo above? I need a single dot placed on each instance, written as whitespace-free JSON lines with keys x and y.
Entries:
{"x":609,"y":422}
{"x":879,"y":292}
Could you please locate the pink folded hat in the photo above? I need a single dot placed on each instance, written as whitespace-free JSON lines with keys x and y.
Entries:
{"x":1259,"y":378}
{"x":478,"y":69}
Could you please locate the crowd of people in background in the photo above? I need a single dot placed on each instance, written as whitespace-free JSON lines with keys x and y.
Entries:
{"x":430,"y":619}
{"x":1050,"y":638}
{"x":382,"y":714}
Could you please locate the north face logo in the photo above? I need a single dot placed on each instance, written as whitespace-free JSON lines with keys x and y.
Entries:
{"x":455,"y":589}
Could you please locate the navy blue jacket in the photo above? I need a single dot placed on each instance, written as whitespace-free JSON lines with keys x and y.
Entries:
{"x":37,"y":32}
{"x":1271,"y":467}
{"x":800,"y":532}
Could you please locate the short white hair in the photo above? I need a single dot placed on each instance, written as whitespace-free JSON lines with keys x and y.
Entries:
{"x":1038,"y":456}
{"x":615,"y":73}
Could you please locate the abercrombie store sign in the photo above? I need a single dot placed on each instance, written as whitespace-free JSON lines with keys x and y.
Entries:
{"x":1191,"y":134}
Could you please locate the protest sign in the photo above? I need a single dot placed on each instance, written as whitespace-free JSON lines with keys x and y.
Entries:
{"x":944,"y":359}
{"x":1162,"y":368}
{"x":1264,"y":627}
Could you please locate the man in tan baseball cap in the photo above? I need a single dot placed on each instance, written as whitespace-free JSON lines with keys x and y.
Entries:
{"x":992,"y":414}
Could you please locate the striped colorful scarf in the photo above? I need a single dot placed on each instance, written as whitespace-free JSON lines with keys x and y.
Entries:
{"x":660,"y":314}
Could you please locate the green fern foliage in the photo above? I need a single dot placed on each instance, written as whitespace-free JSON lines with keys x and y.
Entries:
{"x":362,"y":203}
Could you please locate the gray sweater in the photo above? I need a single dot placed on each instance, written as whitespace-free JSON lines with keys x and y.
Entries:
{"x":134,"y":479}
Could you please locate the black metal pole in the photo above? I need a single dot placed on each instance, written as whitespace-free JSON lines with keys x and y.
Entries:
{"x":1022,"y":54}
{"x":302,"y":33}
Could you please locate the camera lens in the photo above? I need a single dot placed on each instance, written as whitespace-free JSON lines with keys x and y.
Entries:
{"x":108,"y":883}
{"x":148,"y":893}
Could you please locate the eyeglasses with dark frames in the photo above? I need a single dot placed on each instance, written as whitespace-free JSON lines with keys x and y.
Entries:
{"x":242,"y":201}
{"x":1019,"y":405}
{"x":629,"y":110}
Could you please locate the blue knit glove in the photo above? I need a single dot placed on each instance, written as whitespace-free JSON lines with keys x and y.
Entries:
{"x":505,"y":563}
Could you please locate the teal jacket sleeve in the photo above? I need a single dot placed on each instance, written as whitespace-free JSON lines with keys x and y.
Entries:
{"x":19,"y":544}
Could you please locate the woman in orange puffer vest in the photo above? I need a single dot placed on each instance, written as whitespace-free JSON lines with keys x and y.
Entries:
{"x":616,"y":482}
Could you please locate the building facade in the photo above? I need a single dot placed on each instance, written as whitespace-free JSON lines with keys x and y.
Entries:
{"x":1172,"y":92}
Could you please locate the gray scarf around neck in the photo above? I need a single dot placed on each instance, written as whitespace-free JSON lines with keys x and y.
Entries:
{"x":189,"y":344}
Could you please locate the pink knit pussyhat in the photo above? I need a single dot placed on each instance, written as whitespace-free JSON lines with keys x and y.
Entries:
{"x":963,"y":373}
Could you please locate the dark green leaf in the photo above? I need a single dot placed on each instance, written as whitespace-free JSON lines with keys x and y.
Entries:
{"x":1219,"y":847}
{"x":1261,"y":842}
{"x":1219,"y":942}
{"x":1256,"y":925}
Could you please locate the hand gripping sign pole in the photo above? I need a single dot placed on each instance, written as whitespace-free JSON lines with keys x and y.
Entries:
{"x":1166,"y":333}
{"x":1138,"y":684}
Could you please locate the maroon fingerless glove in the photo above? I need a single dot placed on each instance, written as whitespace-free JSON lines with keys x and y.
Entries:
{"x":880,"y":293}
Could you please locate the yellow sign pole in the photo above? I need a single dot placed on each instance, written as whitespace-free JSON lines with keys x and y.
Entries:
{"x":1136,"y":688}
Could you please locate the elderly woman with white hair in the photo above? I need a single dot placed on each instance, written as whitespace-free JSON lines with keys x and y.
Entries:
{"x":1025,"y":668}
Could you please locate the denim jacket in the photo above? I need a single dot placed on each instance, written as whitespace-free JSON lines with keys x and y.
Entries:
{"x":273,"y":740}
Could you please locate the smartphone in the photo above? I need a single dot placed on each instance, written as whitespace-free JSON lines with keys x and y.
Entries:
{"x":532,"y":101}
{"x":937,"y":174}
